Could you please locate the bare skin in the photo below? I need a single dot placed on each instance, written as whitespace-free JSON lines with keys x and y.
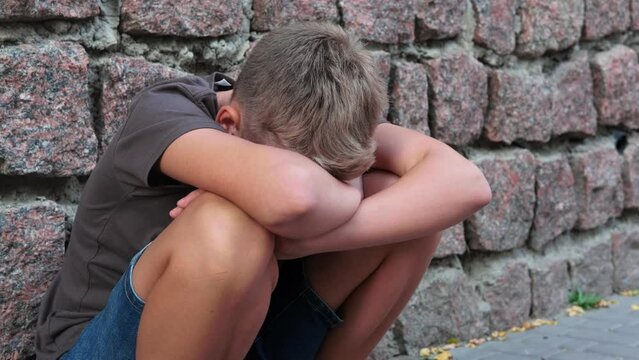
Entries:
{"x":207,"y":278}
{"x":370,"y":285}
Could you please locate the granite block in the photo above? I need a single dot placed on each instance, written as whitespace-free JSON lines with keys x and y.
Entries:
{"x":409,"y":96}
{"x":605,"y":17}
{"x":201,"y":18}
{"x":438,"y":19}
{"x":495,"y":27}
{"x":520,"y":107}
{"x":271,"y":14}
{"x":458,"y":101}
{"x":503,"y":282}
{"x":505,"y":222}
{"x":573,"y":102}
{"x":556,"y":207}
{"x":615,"y":77}
{"x":38,"y":10}
{"x":597,"y":167}
{"x":386,"y":22}
{"x":549,"y":25}
{"x":630,"y":172}
{"x":31,"y":252}
{"x":46,"y":123}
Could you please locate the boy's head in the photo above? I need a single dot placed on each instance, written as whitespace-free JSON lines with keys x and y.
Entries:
{"x":312,"y":88}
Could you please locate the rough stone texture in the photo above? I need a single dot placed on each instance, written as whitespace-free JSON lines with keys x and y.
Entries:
{"x":438,"y":19}
{"x":452,"y":242}
{"x":505,"y":222}
{"x":122,"y":78}
{"x":634,"y":14}
{"x":549,"y":25}
{"x":200,"y":18}
{"x":625,"y":255}
{"x":631,"y":172}
{"x":615,"y":75}
{"x":383,"y":62}
{"x":504,"y":283}
{"x":597,"y":169}
{"x":521,"y":107}
{"x":45,"y":123}
{"x":444,"y":305}
{"x":387,"y":348}
{"x":31,"y":250}
{"x":495,"y":27}
{"x":549,"y":285}
{"x":590,"y":263}
{"x":458,"y":88}
{"x":380,"y":21}
{"x":409,"y":96}
{"x":48,"y":9}
{"x":556,"y":207}
{"x":271,"y":14}
{"x":605,"y":17}
{"x":573,"y":102}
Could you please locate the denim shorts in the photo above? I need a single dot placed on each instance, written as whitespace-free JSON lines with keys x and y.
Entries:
{"x":295,"y":326}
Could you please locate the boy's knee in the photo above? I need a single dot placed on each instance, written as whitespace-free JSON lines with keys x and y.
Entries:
{"x":222,"y":241}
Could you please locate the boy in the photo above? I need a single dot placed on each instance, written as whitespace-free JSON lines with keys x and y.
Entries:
{"x":303,"y":116}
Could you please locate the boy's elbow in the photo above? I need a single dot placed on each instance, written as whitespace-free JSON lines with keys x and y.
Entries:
{"x":481,"y":193}
{"x":300,"y":198}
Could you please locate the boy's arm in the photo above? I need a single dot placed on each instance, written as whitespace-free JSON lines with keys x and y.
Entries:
{"x":437,"y":188}
{"x":284,"y":191}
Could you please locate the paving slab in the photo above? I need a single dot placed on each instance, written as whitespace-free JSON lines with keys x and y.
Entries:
{"x":602,"y":334}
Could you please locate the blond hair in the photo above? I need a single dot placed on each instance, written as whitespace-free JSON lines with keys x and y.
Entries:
{"x":314,"y":89}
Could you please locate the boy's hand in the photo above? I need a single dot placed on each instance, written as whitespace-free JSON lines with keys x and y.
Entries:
{"x":184,"y":202}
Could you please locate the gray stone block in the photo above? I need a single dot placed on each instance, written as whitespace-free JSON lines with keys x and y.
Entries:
{"x":556,"y":203}
{"x":504,"y":283}
{"x":505,"y":222}
{"x":31,"y":252}
{"x":597,"y":167}
{"x":444,"y":305}
{"x":625,"y":255}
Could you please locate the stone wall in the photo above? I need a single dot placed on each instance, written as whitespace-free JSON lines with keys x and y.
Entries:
{"x":542,"y":95}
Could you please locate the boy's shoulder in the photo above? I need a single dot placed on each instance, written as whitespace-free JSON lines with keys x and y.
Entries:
{"x":195,"y":89}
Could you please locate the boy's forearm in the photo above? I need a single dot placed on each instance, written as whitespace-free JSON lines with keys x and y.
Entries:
{"x":284,"y":191}
{"x":332,"y":204}
{"x":433,"y":193}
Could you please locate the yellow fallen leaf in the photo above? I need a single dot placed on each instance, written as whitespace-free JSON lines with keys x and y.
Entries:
{"x":444,"y":356}
{"x":629,"y":293}
{"x":498,"y":335}
{"x":425,"y":352}
{"x":605,"y":303}
{"x":635,"y":307}
{"x":542,"y":322}
{"x":575,"y":311}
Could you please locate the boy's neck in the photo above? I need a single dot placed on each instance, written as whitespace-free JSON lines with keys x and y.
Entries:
{"x":224,"y":98}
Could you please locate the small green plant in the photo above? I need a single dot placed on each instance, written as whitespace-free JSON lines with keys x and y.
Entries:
{"x":586,"y":301}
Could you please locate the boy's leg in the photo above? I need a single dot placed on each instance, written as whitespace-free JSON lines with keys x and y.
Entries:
{"x":206,"y":281}
{"x":370,"y":286}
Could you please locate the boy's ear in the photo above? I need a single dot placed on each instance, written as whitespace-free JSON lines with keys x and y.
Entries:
{"x":229,"y":118}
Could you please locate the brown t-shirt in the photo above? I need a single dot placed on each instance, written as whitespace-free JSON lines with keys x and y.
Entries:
{"x":124,"y":205}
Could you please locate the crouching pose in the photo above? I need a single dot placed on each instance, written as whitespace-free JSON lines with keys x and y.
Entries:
{"x":312,"y":225}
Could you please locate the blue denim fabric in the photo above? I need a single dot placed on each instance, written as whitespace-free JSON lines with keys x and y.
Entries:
{"x":296,"y":323}
{"x":113,"y":331}
{"x":297,"y":320}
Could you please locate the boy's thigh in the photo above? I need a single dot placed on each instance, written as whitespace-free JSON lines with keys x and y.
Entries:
{"x":295,"y":327}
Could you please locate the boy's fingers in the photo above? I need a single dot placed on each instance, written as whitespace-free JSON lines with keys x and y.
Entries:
{"x":184,"y":202}
{"x":175,"y":212}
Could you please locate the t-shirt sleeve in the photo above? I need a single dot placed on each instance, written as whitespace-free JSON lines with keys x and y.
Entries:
{"x":157,"y":117}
